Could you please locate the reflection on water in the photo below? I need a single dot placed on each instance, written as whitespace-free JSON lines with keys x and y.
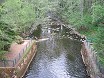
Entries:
{"x":58,"y":57}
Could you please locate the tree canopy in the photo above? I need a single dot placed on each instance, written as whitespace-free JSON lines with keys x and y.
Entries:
{"x":16,"y":16}
{"x":87,"y":16}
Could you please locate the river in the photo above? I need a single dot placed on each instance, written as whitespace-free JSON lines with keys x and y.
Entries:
{"x":57,"y":57}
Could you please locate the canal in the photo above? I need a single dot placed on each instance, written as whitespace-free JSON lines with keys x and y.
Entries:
{"x":57,"y":57}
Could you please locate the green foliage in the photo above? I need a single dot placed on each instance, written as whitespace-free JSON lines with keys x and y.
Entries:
{"x":88,"y":18}
{"x":6,"y":35}
{"x":100,"y":40}
{"x":17,"y":16}
{"x":43,"y":6}
{"x":12,"y":19}
{"x":86,"y":21}
{"x":97,"y":13}
{"x":99,"y":44}
{"x":69,"y":10}
{"x":98,"y":20}
{"x":19,"y":40}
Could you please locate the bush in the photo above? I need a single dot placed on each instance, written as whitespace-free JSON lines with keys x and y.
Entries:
{"x":19,"y":40}
{"x":97,"y":13}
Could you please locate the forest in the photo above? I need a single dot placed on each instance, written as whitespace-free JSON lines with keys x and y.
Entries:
{"x":87,"y":16}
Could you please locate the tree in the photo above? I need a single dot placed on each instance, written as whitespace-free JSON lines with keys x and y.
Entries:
{"x":15,"y":17}
{"x":87,"y":16}
{"x":7,"y":34}
{"x":18,"y":14}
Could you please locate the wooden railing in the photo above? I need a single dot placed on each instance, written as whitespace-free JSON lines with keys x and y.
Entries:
{"x":13,"y":62}
{"x":21,"y":66}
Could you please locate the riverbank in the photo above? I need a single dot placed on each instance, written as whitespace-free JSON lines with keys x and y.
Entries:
{"x":89,"y":56}
{"x":90,"y":60}
{"x":16,"y":49}
{"x":18,"y":59}
{"x":57,"y":56}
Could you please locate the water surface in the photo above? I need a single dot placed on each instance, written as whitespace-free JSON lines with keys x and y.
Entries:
{"x":58,"y":57}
